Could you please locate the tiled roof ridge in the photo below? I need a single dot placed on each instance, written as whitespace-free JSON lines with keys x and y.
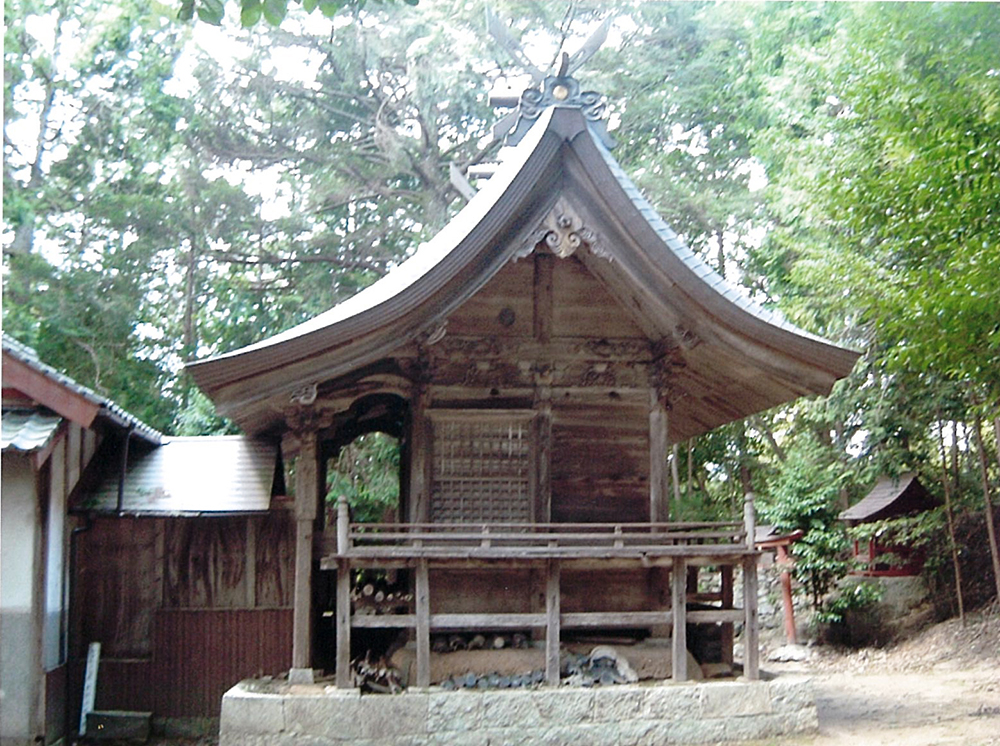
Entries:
{"x":29,"y":356}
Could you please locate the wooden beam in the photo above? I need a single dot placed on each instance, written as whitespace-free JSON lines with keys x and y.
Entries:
{"x":571,"y":620}
{"x":250,"y":561}
{"x":552,"y":620}
{"x":543,"y":297}
{"x":678,"y":605}
{"x":423,"y":613}
{"x":343,"y":625}
{"x":542,"y":483}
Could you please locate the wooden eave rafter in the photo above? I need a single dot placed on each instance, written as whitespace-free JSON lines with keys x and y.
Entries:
{"x":736,"y":358}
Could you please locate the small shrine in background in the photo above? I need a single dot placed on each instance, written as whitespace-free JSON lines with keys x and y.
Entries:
{"x":892,"y":497}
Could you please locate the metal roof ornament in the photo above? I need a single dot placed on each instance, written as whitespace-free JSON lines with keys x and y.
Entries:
{"x":561,"y":89}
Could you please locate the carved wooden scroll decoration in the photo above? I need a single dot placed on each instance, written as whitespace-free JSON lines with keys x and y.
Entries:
{"x":305,"y":395}
{"x":562,"y":232}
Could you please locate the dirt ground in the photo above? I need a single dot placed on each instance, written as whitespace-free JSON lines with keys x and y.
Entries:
{"x":940,"y":688}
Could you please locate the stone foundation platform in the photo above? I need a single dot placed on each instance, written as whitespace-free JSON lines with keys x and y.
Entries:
{"x":275,"y":714}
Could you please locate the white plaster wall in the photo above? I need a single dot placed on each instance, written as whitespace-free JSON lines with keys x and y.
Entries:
{"x":52,"y":631}
{"x":17,"y":533}
{"x":19,"y":678}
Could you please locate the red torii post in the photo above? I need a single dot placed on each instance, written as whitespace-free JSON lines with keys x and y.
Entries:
{"x":784,"y":560}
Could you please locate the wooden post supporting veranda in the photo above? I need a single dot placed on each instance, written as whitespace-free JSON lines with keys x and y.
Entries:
{"x":306,"y":502}
{"x":678,"y":616}
{"x":343,"y":673}
{"x":751,"y":644}
{"x":552,"y":627}
{"x":727,"y":603}
{"x":421,"y":599}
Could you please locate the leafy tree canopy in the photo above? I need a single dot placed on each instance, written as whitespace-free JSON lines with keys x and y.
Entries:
{"x":175,"y":190}
{"x":272,"y":11}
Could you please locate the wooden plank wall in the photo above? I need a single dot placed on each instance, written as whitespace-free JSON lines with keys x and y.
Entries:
{"x":583,"y":307}
{"x":600,"y":462}
{"x":119,"y":586}
{"x":184,"y":608}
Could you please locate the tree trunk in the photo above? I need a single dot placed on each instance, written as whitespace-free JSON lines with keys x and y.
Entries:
{"x":990,"y":529}
{"x":690,"y":469}
{"x":996,"y":436}
{"x":945,"y":480}
{"x":676,"y":480}
{"x":758,"y":422}
{"x":843,"y":495}
{"x":954,"y":454}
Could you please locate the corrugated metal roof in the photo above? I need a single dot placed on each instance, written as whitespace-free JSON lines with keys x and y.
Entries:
{"x":28,"y":430}
{"x":109,"y":409}
{"x":891,"y":496}
{"x":220,"y":474}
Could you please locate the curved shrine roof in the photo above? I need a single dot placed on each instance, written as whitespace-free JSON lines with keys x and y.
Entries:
{"x":737,"y":357}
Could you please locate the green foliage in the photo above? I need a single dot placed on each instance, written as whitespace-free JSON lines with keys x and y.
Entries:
{"x":860,"y":596}
{"x":889,"y":182}
{"x":367,"y":473}
{"x":136,"y":235}
{"x":273,"y":11}
{"x":803,"y":496}
{"x":198,"y":417}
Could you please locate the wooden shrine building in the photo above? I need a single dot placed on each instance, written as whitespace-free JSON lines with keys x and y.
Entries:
{"x":537,"y":360}
{"x":891,"y":497}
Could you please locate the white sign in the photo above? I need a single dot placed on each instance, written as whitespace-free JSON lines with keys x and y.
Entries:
{"x":89,"y":684}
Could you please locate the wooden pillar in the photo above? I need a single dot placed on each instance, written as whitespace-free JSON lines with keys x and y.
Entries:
{"x":422,"y":607}
{"x":678,"y":607}
{"x":420,"y":456}
{"x":751,"y":645}
{"x":343,"y":526}
{"x":249,"y":561}
{"x":343,"y":672}
{"x":552,"y":628}
{"x":542,"y":311}
{"x":727,"y":603}
{"x":692,"y":579}
{"x":659,"y":449}
{"x":306,"y":501}
{"x":542,"y":483}
{"x":343,"y":617}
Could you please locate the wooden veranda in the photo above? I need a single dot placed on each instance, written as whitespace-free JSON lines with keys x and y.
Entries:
{"x":549,"y":548}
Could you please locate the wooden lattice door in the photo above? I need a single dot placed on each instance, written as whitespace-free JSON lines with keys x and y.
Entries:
{"x":481,"y":466}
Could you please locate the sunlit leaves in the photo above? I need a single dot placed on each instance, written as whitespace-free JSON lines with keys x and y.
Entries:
{"x":272,"y":11}
{"x":893,"y":179}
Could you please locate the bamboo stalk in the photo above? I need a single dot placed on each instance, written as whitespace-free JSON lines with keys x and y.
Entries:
{"x":990,"y":529}
{"x":951,"y":522}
